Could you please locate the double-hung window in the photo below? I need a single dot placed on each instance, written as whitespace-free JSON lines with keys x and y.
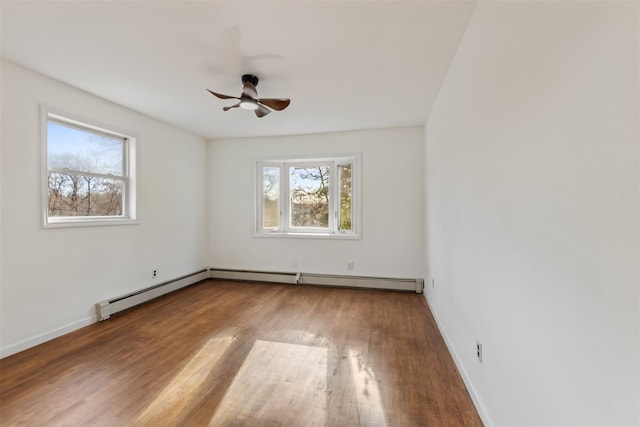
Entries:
{"x":89,"y":173}
{"x":308,"y":197}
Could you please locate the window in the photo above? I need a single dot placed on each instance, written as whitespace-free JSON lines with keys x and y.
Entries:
{"x":307,"y":197}
{"x":88,"y":174}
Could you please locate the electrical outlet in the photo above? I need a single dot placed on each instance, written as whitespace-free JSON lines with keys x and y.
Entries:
{"x":479,"y":351}
{"x":154,"y":275}
{"x":350,"y":266}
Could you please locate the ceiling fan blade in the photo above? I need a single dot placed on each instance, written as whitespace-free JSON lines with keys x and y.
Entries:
{"x":230,"y":107}
{"x":249,"y":89}
{"x":262,"y":111}
{"x":221,"y":96}
{"x":275,"y":103}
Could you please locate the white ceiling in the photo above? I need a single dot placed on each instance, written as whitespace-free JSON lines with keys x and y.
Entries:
{"x":345,"y":65}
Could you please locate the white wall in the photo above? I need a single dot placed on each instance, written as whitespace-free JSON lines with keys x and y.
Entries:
{"x":52,"y":278}
{"x":392,"y":205}
{"x":533,"y":211}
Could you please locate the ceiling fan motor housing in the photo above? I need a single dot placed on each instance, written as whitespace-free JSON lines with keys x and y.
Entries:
{"x":251,"y":79}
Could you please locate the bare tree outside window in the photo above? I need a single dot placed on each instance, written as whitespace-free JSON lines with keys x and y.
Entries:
{"x":309,"y":196}
{"x":344,"y":172}
{"x":85,"y":172}
{"x":271,"y":197}
{"x":81,"y":195}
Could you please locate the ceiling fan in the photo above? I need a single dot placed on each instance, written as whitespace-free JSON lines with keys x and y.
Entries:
{"x":249,"y":99}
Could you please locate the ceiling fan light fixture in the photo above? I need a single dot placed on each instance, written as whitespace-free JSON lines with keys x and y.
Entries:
{"x":249,"y":104}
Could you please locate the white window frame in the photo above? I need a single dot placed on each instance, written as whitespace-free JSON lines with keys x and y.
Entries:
{"x":128,"y":216}
{"x":284,"y":229}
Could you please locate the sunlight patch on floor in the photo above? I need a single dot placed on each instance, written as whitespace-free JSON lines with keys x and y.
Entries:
{"x":185,"y":386}
{"x":369,"y":405}
{"x":278,"y":384}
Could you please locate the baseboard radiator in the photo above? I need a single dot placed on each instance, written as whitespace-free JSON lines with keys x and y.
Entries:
{"x":255,"y":276}
{"x":104,"y":309}
{"x":383,"y":283}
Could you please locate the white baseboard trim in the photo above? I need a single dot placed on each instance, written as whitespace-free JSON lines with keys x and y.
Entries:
{"x":47,"y":336}
{"x":482,"y":412}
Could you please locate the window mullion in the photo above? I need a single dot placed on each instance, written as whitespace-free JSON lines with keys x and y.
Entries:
{"x":125,"y":170}
{"x":259,"y":219}
{"x":83,"y":173}
{"x":285,"y":198}
{"x":333,"y":220}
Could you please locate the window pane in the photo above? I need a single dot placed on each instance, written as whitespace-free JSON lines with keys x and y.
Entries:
{"x":270,"y":197}
{"x":83,"y":150}
{"x":82,"y":195}
{"x":344,"y":171}
{"x":309,"y":189}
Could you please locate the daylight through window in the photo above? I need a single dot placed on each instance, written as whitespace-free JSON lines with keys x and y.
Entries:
{"x":88,"y":174}
{"x":307,"y":197}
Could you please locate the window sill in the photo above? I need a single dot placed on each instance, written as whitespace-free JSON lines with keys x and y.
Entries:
{"x":68,"y":223}
{"x":338,"y":236}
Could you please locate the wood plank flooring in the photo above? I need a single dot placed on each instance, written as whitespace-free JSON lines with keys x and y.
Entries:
{"x":245,"y":354}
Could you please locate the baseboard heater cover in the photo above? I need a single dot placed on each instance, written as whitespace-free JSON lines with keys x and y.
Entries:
{"x":104,"y":309}
{"x":383,"y":283}
{"x":251,"y":275}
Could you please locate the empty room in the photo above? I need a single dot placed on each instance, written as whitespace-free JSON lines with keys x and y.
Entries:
{"x":320,"y":213}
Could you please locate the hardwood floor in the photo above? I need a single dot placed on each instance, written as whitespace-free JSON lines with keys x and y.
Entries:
{"x":233,"y":354}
